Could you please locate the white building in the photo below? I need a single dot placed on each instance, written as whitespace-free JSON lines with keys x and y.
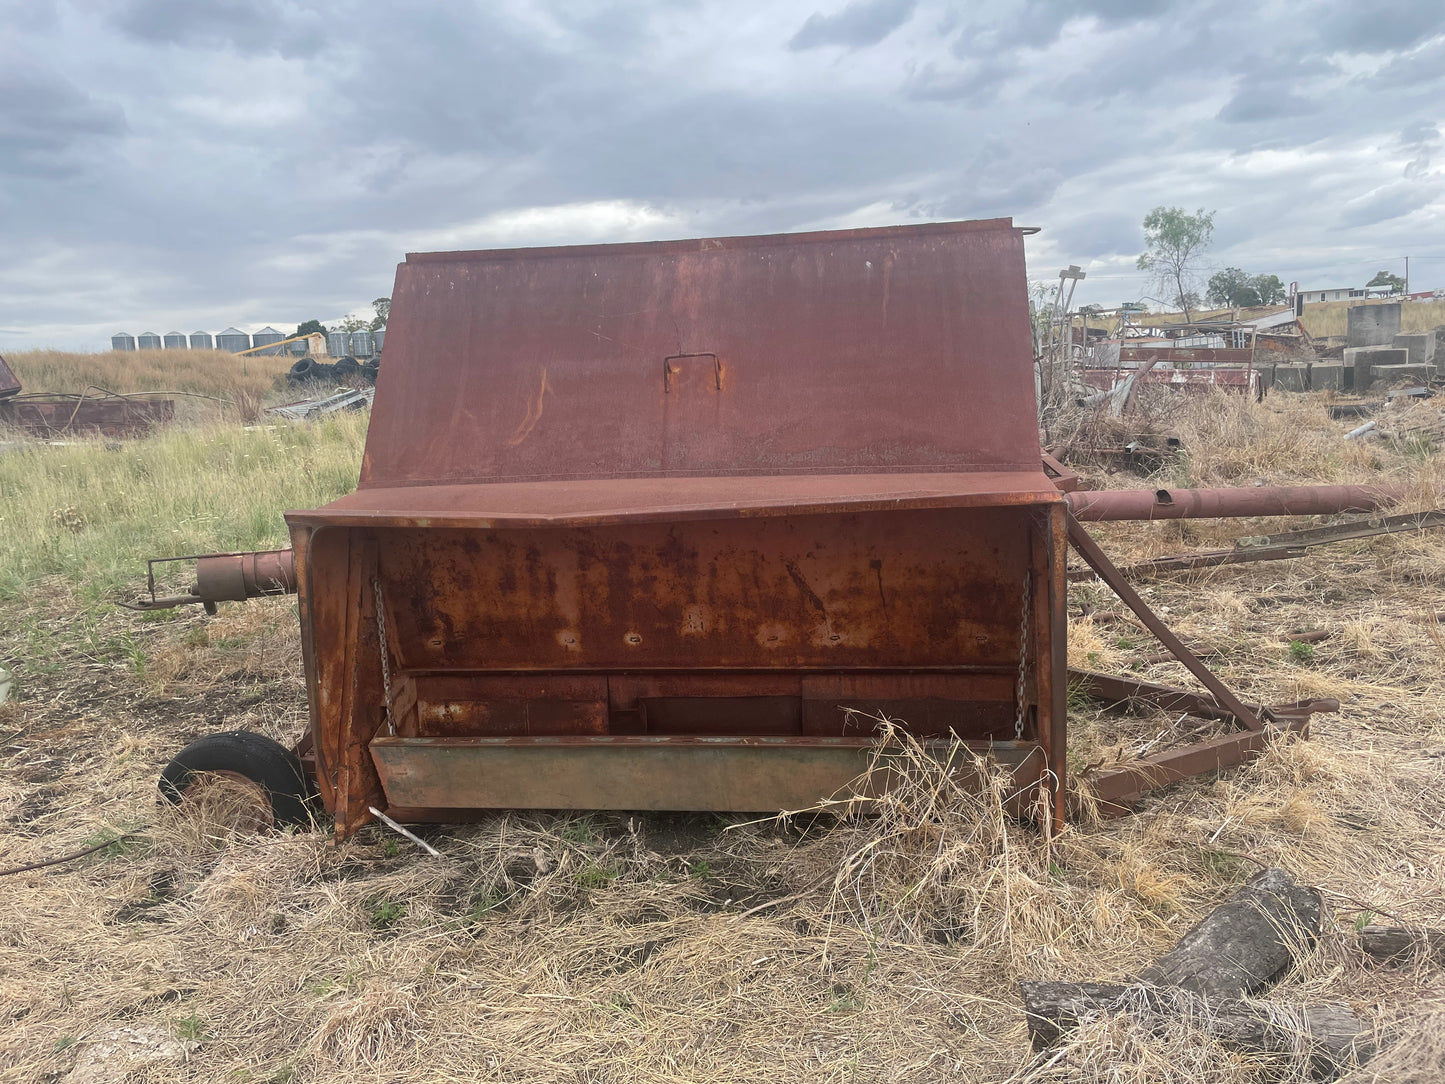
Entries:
{"x":1345,"y":293}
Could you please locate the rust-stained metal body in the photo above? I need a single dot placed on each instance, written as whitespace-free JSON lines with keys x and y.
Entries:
{"x":649,"y":526}
{"x":670,"y":526}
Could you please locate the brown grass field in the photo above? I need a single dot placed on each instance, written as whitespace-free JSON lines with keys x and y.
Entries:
{"x":650,"y":948}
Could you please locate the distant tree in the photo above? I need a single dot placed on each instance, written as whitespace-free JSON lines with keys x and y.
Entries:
{"x":1384,"y":278}
{"x":1269,"y":288}
{"x":310,"y":327}
{"x":382,"y":305}
{"x":1089,"y":310}
{"x":1232,"y":288}
{"x":1175,"y":240}
{"x":349,"y":324}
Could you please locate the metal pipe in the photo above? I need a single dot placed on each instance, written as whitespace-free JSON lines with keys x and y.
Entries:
{"x":235,"y":577}
{"x":1146,"y":504}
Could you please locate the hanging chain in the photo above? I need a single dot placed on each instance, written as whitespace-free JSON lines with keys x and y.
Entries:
{"x":1021,"y":692}
{"x":385,"y":654}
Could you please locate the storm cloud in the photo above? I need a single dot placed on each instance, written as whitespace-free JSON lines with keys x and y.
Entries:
{"x":170,"y":164}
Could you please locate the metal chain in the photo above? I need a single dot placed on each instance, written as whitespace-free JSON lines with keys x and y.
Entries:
{"x":1023,"y":661}
{"x":385,"y":654}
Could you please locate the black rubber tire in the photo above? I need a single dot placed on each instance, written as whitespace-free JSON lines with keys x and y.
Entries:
{"x":301,"y":370}
{"x":268,"y":764}
{"x":347,"y":366}
{"x":369,"y":371}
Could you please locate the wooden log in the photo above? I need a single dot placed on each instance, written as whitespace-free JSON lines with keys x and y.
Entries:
{"x":1399,"y":945}
{"x":1245,"y":942}
{"x":1329,"y":1034}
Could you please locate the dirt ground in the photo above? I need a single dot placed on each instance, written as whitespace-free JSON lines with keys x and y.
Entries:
{"x":623,"y":947}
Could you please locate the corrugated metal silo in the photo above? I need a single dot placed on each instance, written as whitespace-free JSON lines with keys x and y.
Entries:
{"x":266,"y":337}
{"x":147,"y":340}
{"x":338,"y":344}
{"x":201,"y":340}
{"x":122,"y":341}
{"x":174,"y":340}
{"x":362,"y":344}
{"x":233,"y":340}
{"x":380,"y":336}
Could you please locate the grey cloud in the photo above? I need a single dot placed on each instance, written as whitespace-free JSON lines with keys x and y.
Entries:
{"x":46,"y":122}
{"x":1384,"y":204}
{"x":860,"y":24}
{"x":1419,"y":134}
{"x":245,"y":26}
{"x":1360,"y":28}
{"x":1254,"y":102}
{"x":1416,"y":68}
{"x":978,"y":82}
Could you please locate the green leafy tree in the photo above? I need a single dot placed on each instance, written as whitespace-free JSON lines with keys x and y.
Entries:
{"x":1175,"y":240}
{"x":1270,"y":289}
{"x":310,"y":327}
{"x":1384,"y":278}
{"x":1232,"y":288}
{"x":382,"y":305}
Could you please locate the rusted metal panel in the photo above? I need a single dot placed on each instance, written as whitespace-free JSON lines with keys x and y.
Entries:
{"x":73,"y":415}
{"x":9,"y":382}
{"x":898,"y":349}
{"x":1241,"y":379}
{"x":725,"y":773}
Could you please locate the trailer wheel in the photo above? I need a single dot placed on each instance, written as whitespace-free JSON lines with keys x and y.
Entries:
{"x":246,"y":757}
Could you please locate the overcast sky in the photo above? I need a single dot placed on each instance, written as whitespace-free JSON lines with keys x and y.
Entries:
{"x":189,"y":164}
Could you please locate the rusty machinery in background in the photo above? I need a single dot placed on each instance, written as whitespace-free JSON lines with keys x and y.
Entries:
{"x":666,"y":526}
{"x":106,"y":414}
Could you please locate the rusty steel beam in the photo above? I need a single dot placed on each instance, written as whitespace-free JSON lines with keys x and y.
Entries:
{"x":1089,"y":550}
{"x":1146,"y":504}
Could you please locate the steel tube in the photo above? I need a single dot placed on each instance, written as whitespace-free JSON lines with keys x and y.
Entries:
{"x":1145,"y":504}
{"x":238,"y":576}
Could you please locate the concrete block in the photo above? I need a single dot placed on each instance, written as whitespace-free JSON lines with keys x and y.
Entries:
{"x":1328,"y":376}
{"x":1390,"y":375}
{"x":1420,"y":345}
{"x":1373,"y":325}
{"x":1288,"y":378}
{"x":1361,"y":359}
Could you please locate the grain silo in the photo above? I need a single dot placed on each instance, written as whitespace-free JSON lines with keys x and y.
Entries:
{"x":174,"y":340}
{"x":362,"y":344}
{"x":201,"y":340}
{"x":147,"y":340}
{"x":268,"y":336}
{"x":233,"y":340}
{"x":338,"y":344}
{"x":122,"y":340}
{"x":380,"y":336}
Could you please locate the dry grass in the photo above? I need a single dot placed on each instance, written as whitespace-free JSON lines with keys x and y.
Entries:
{"x":1331,"y":317}
{"x":884,"y":947}
{"x":205,"y":372}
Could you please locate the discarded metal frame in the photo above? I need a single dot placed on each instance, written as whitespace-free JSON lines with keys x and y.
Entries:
{"x":1280,"y":547}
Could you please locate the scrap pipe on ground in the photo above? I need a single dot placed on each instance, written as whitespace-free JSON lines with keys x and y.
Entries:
{"x":1144,"y":504}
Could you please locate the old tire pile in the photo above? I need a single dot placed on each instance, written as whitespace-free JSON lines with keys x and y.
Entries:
{"x":308,"y":371}
{"x":255,"y":758}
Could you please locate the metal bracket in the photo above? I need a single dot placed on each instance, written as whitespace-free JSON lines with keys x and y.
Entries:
{"x":668,"y":371}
